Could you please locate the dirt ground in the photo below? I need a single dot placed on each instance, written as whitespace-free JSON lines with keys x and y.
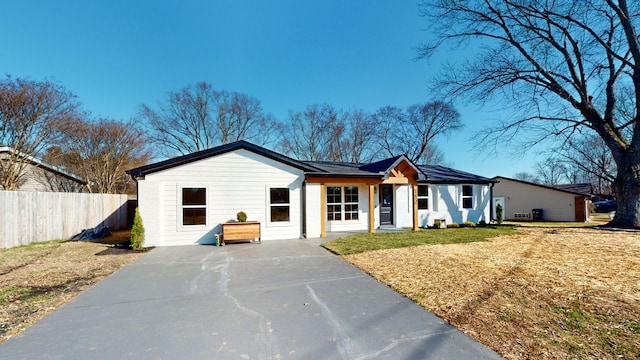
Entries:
{"x":38,"y":278}
{"x":545,"y":293}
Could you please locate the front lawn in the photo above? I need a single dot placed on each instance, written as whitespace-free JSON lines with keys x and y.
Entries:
{"x":390,"y":240}
{"x":538,"y":293}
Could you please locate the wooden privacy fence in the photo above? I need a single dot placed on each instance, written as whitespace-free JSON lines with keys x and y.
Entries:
{"x":27,"y":217}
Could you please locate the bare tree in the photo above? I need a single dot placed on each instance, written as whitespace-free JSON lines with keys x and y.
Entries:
{"x":525,"y":176}
{"x":199,"y":117}
{"x":411,"y":132}
{"x":313,"y":134}
{"x":101,"y":151}
{"x":30,"y":113}
{"x":592,"y":160}
{"x":563,"y":64}
{"x":551,"y":171}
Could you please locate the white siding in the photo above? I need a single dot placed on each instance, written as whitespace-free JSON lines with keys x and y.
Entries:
{"x":522,"y":198}
{"x":312,"y":210}
{"x":445,"y":202}
{"x":235,"y":181}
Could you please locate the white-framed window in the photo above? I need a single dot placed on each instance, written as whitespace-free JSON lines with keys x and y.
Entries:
{"x":342,"y":203}
{"x":334,"y":203}
{"x":467,"y":197}
{"x":279,"y":205}
{"x":351,"y":203}
{"x":423,"y":197}
{"x":193,"y":203}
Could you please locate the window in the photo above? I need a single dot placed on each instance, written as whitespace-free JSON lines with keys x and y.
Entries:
{"x":467,"y":196}
{"x":194,"y":206}
{"x":279,"y":204}
{"x":336,"y":203}
{"x":423,"y":197}
{"x":351,"y":203}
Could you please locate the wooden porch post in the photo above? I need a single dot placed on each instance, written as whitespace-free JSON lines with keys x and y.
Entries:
{"x":323,"y":210}
{"x":372,"y":222}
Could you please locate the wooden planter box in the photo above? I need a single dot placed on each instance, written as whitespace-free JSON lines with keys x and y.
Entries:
{"x":240,"y":231}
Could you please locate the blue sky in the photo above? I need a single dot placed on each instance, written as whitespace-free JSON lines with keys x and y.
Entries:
{"x":118,"y":54}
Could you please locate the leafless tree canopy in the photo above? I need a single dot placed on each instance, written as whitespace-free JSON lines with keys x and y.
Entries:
{"x":322,"y":133}
{"x":412,"y":131}
{"x":101,"y":151}
{"x":566,"y":66}
{"x":30,"y":113}
{"x":199,"y":117}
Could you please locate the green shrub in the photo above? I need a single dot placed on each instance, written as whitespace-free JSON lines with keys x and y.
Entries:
{"x":436,"y":225}
{"x":241,"y":216}
{"x":137,"y":232}
{"x":499,"y":214}
{"x":453,"y":225}
{"x":469,"y":224}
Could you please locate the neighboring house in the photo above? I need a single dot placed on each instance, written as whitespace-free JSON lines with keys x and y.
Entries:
{"x":186,"y":199}
{"x":38,"y":175}
{"x":556,"y":203}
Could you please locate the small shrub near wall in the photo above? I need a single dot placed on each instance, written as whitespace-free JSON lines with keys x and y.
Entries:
{"x":469,"y":224}
{"x":453,"y":225}
{"x":137,"y":232}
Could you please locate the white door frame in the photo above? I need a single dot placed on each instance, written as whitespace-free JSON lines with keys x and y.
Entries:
{"x":502,"y":201}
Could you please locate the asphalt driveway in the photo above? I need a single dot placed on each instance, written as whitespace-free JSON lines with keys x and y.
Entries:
{"x":276,"y":300}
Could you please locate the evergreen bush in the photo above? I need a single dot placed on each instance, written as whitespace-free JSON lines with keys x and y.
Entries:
{"x":137,"y":232}
{"x":499,"y":214}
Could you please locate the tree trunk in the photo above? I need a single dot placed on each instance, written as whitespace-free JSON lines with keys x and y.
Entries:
{"x":627,"y":186}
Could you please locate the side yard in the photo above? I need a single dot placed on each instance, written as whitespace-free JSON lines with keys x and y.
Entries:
{"x":36,"y":279}
{"x":542,"y":293}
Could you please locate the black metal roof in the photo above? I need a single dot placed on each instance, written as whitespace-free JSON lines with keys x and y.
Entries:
{"x":571,"y":188}
{"x":437,"y":174}
{"x":379,"y":169}
{"x":218,"y":150}
{"x":582,"y":188}
{"x":330,"y":168}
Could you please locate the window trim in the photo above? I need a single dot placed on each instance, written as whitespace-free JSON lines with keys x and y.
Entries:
{"x":423,"y":197}
{"x":343,"y":204}
{"x":351,"y":203}
{"x":333,"y":204}
{"x":271,"y":205}
{"x":180,"y":206}
{"x":464,"y":197}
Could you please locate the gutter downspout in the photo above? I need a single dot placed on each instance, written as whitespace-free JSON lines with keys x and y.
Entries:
{"x":491,"y":202}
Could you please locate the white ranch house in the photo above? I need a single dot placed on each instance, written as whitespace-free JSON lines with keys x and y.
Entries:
{"x":185,"y":200}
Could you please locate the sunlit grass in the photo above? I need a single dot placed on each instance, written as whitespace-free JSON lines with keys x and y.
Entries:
{"x":389,"y":240}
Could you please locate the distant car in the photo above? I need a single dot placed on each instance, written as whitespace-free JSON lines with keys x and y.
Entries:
{"x":606,"y":205}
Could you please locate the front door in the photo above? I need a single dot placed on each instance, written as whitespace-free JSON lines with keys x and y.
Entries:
{"x":386,"y":204}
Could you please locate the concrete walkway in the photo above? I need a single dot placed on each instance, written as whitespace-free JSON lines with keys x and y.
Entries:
{"x":287,"y":299}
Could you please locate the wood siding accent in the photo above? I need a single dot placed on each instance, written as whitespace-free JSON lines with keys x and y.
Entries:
{"x":29,"y":216}
{"x":341,"y":180}
{"x":372,"y":222}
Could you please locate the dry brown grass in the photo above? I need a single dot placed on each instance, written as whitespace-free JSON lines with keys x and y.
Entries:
{"x":546,"y":293}
{"x":38,"y":278}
